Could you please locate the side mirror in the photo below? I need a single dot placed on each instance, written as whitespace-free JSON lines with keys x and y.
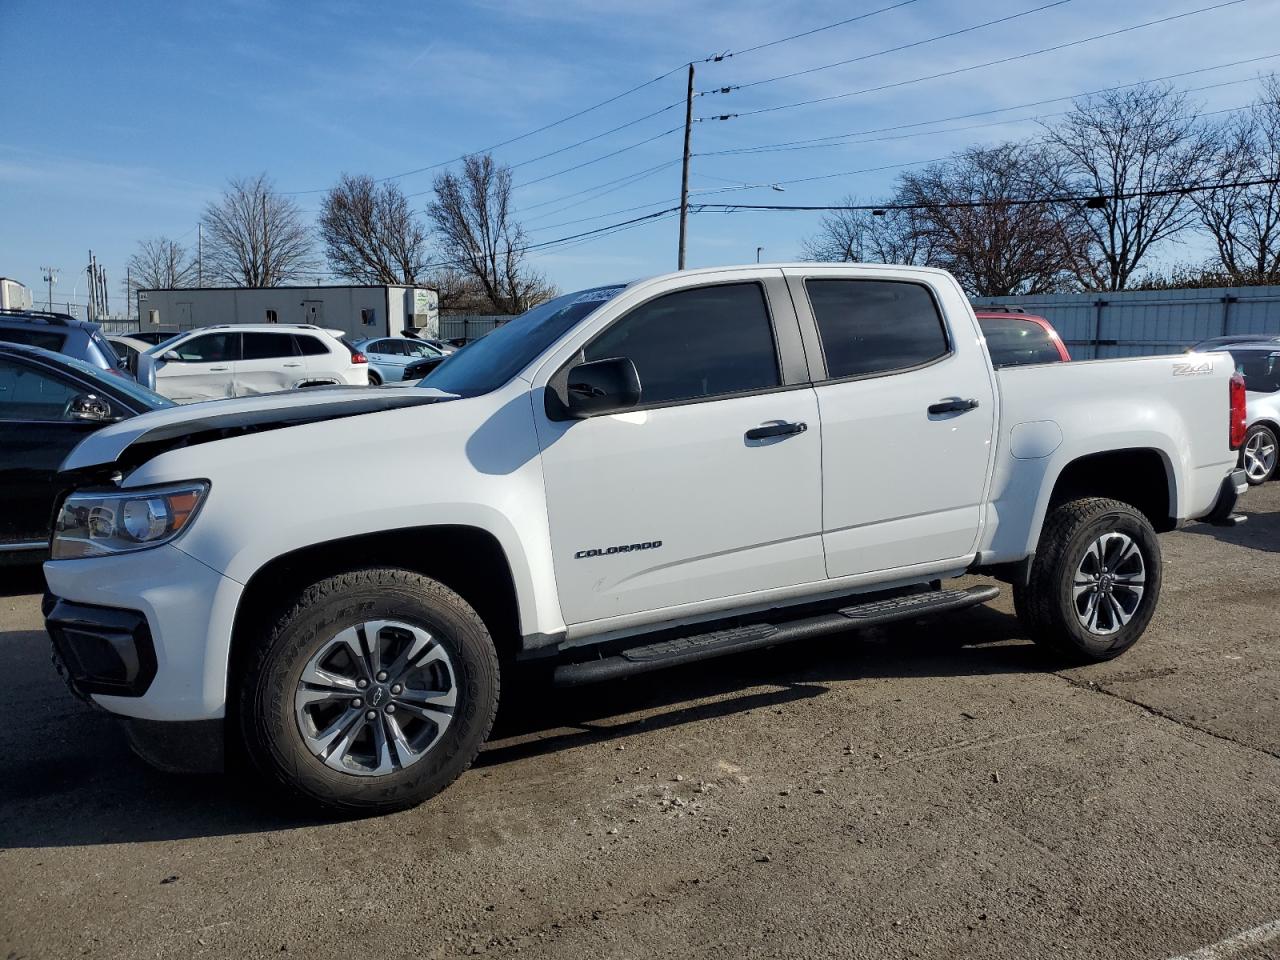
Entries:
{"x":90,"y":407}
{"x":602,"y":386}
{"x":171,"y":356}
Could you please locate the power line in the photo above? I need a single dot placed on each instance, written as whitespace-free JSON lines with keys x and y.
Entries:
{"x":1091,"y":198}
{"x":587,"y":163}
{"x":632,"y":181}
{"x":808,"y":33}
{"x":977,"y":66}
{"x":822,"y":141}
{"x":630,"y":177}
{"x":897,"y":49}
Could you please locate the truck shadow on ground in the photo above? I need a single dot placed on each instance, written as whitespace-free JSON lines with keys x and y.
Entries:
{"x":1260,"y":532}
{"x":70,"y":778}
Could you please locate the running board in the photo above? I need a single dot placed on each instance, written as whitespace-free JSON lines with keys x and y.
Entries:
{"x":704,"y":646}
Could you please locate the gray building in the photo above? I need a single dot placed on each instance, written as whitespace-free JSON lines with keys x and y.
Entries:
{"x":359,"y":311}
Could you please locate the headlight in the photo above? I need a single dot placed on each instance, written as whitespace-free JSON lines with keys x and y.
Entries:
{"x":95,"y":523}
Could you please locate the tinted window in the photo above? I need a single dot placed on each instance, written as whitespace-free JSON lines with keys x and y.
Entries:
{"x":488,"y":363}
{"x":267,"y":346}
{"x":311,"y":346}
{"x":420,"y":349}
{"x":394,"y":348}
{"x":30,"y":394}
{"x":705,"y":342}
{"x":1260,"y":369}
{"x":34,"y":338}
{"x":210,"y":348}
{"x":1012,"y":342}
{"x":875,"y":326}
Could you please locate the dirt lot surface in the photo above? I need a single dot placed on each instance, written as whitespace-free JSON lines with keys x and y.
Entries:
{"x":940,"y":789}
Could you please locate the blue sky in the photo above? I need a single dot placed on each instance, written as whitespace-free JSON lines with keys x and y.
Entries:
{"x":123,"y":120}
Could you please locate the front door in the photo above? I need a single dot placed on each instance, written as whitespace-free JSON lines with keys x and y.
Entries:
{"x":902,"y":484}
{"x":313,"y":312}
{"x":203,"y":368}
{"x":676,"y":502}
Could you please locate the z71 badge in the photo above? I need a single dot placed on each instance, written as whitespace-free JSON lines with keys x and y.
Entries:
{"x":622,"y":548}
{"x":1193,"y":369}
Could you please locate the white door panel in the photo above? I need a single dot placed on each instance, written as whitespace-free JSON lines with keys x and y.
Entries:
{"x":731,"y":516}
{"x":190,"y":382}
{"x":268,"y":376}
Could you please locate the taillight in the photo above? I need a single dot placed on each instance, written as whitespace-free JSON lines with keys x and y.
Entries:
{"x":1239,"y":420}
{"x":358,"y":357}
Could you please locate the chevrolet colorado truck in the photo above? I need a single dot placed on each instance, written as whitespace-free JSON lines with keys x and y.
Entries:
{"x":326,"y":582}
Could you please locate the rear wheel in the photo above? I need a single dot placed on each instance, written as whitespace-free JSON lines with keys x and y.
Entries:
{"x":1259,"y":454}
{"x":374,"y":379}
{"x":1095,"y":580}
{"x":373,"y":693}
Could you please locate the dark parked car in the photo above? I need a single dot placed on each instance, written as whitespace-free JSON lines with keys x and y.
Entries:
{"x":48,"y":403}
{"x":1014,"y":339}
{"x":61,"y":334}
{"x":1231,"y":340}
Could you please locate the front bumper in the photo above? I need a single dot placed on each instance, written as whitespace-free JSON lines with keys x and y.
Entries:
{"x":104,"y":612}
{"x":1233,"y":487}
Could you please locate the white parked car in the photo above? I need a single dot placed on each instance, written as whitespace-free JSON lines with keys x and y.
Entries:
{"x":622,"y":479}
{"x":212,"y":363}
{"x":1259,"y":364}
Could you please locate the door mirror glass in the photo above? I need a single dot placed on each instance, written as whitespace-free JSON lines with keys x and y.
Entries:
{"x":602,"y":386}
{"x":88,"y":406}
{"x":171,"y":356}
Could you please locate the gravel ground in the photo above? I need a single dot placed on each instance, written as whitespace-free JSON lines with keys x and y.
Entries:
{"x":938,"y":789}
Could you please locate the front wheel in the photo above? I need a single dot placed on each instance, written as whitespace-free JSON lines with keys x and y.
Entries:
{"x":1095,"y":580}
{"x":1258,"y":456}
{"x":373,"y":693}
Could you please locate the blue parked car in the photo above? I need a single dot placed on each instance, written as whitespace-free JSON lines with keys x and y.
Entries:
{"x":61,"y":334}
{"x":388,"y":356}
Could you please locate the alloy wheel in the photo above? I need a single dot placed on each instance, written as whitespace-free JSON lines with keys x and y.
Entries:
{"x":1109,"y":583}
{"x":376,"y":698}
{"x":1259,"y":456}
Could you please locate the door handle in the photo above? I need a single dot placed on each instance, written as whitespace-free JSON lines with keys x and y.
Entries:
{"x":780,"y":429}
{"x":953,"y":405}
{"x":293,"y":364}
{"x":219,"y":369}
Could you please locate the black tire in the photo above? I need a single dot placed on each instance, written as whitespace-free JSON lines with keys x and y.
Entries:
{"x":1046,"y":606}
{"x":374,"y":379}
{"x":271,"y":731}
{"x":1261,"y":434}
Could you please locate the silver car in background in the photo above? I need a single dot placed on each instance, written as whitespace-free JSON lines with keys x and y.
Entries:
{"x":1259,"y":364}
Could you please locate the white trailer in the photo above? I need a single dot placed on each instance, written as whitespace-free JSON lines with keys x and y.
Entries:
{"x":14,"y":295}
{"x":359,"y":311}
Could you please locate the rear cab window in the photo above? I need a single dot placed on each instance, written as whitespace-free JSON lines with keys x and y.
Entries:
{"x":44,"y":339}
{"x":872,"y":328}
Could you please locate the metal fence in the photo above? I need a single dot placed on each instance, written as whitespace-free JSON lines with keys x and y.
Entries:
{"x":470,"y":327}
{"x":1136,"y":323}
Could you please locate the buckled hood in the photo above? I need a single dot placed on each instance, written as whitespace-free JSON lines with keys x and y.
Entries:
{"x":135,"y":440}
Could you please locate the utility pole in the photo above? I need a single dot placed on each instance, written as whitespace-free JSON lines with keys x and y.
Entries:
{"x":684,"y":171}
{"x":50,"y":276}
{"x":199,"y":256}
{"x":758,"y":252}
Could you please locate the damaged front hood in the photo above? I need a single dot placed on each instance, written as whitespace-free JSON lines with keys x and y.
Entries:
{"x":138,"y":439}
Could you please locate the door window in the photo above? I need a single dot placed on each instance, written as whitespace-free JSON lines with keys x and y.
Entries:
{"x":1013,"y":342}
{"x":268,"y":346}
{"x":210,"y":348}
{"x":393,"y":348}
{"x":871,"y":327}
{"x":311,"y":346}
{"x":696,"y":344}
{"x":29,"y":394}
{"x":33,"y":338}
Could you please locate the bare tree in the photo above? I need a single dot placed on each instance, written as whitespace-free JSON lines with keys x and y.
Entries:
{"x":972,"y":214}
{"x":868,"y":236}
{"x":370,"y":234}
{"x":1132,"y":149}
{"x":255,"y":236}
{"x":476,"y":226}
{"x":1244,"y":221}
{"x":161,"y":264}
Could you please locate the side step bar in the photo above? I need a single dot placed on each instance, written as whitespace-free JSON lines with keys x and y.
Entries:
{"x":704,"y":646}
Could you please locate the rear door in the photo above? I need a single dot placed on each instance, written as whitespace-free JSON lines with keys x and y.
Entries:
{"x":674,"y":502}
{"x":268,"y":362}
{"x":203,"y":367}
{"x":907,"y":404}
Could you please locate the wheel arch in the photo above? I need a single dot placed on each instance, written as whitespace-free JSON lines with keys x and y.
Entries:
{"x":467,"y":559}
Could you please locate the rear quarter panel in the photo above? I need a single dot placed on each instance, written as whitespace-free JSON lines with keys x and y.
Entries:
{"x":1054,"y":414}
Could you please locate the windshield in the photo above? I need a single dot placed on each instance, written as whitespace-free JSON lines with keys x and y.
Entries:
{"x":131,"y":388}
{"x":1260,"y":369}
{"x":488,"y":363}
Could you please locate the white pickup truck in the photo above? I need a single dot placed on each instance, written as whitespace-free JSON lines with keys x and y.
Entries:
{"x":622,"y":479}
